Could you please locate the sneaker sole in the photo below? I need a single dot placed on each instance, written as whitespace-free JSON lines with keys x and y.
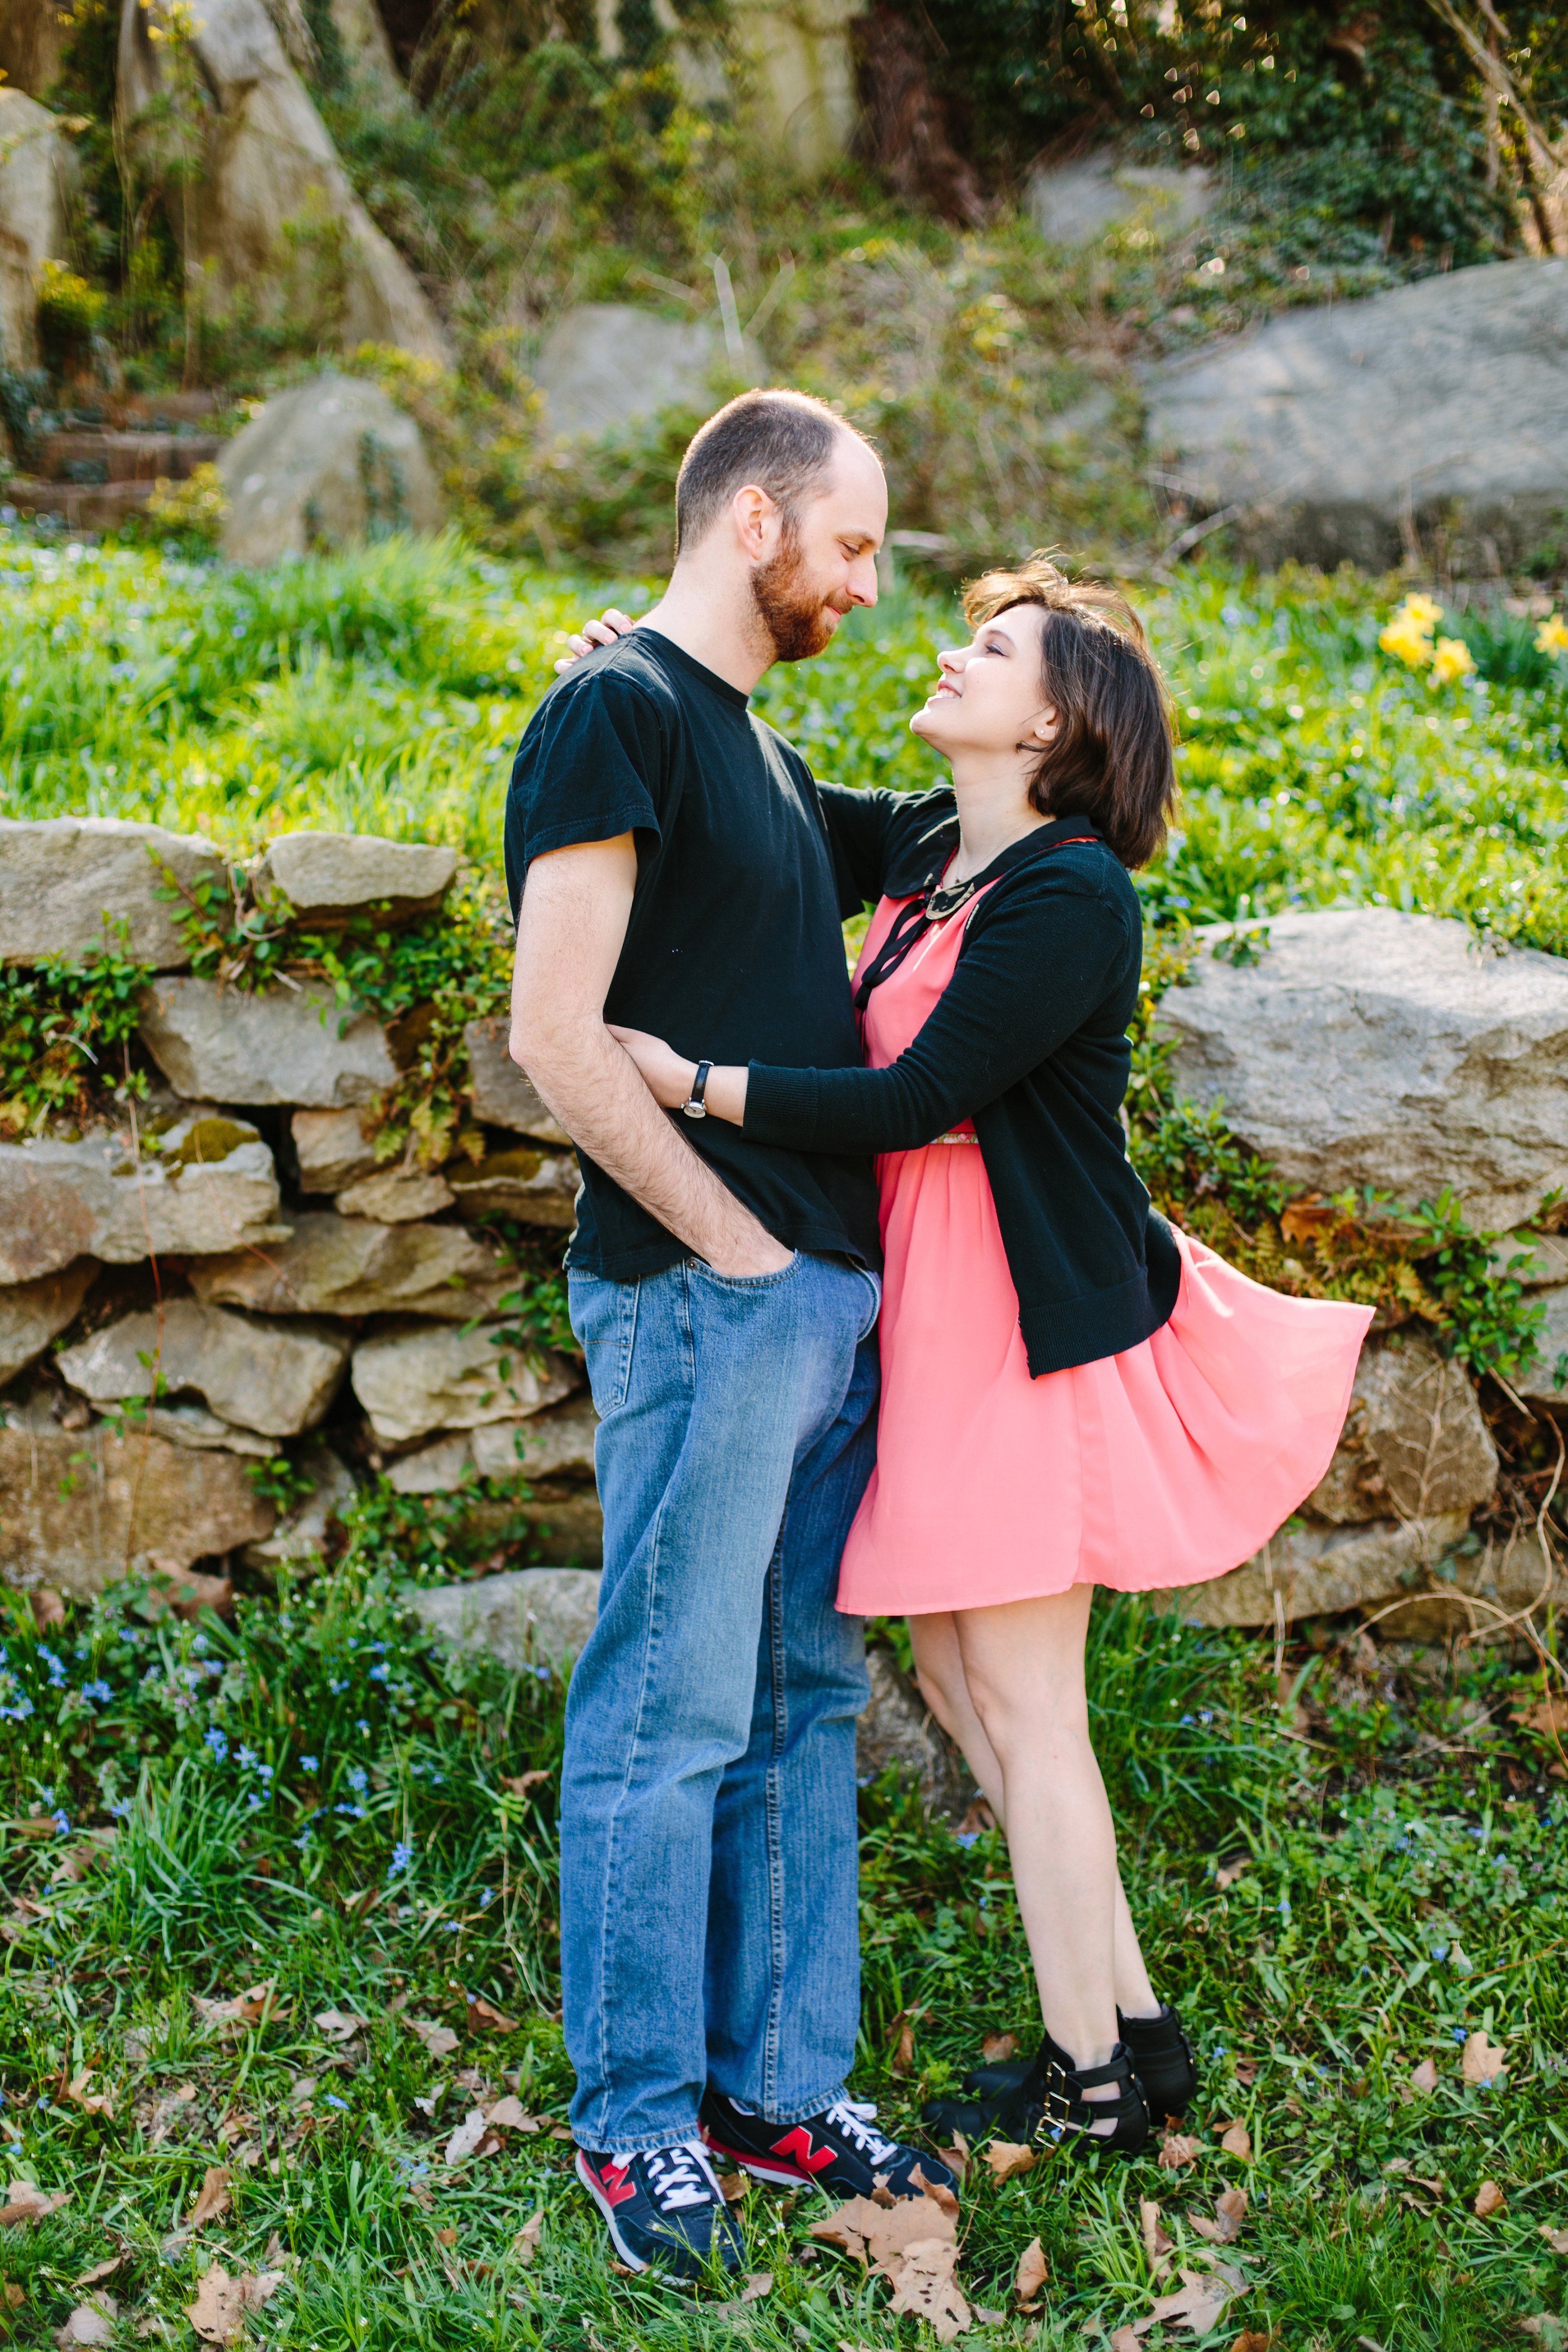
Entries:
{"x":779,"y":2176}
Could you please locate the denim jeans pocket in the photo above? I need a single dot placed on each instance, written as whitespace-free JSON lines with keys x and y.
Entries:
{"x":873,"y":1283}
{"x":744,"y":1282}
{"x":605,"y":1318}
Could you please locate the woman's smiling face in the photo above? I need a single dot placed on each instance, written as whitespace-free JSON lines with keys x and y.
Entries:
{"x":989,"y":695}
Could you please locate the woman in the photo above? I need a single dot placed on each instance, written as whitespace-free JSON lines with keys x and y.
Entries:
{"x":1074,"y":1392}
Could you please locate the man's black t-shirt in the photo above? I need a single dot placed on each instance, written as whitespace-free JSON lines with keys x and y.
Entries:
{"x":733,"y":951}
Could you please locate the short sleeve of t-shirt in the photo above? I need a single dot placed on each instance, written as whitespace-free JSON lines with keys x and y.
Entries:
{"x":592,"y":763}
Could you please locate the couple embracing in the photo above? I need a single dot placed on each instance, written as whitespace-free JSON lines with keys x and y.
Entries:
{"x":777,"y":1160}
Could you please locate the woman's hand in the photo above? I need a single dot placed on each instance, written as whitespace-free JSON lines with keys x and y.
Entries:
{"x":609,"y":625}
{"x":670,"y":1079}
{"x":667,"y":1079}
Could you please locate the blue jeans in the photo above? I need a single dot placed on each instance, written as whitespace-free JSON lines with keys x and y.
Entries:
{"x":708,"y":1919}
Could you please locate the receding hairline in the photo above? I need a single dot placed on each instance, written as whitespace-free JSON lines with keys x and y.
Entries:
{"x":813,"y":480}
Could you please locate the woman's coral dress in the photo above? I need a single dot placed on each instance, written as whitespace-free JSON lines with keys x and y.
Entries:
{"x":1162,"y":1466}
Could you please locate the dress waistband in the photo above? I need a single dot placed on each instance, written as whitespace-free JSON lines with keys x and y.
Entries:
{"x":953,"y":1136}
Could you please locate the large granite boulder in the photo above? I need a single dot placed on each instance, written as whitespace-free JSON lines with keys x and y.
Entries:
{"x":212,"y":1187}
{"x":1071,"y":203}
{"x":536,"y":1187}
{"x":34,"y":1312}
{"x":61,"y":878}
{"x":332,"y":1149}
{"x":896,"y":1729}
{"x":1321,"y":1571}
{"x":264,"y":1373}
{"x":347,"y":1266}
{"x":605,"y":363}
{"x":531,"y":1615}
{"x":1368,"y":1048}
{"x":1333,"y":430}
{"x":501,"y":1094}
{"x":368,"y":53}
{"x":35,"y":172}
{"x":326,"y":876}
{"x":332,"y":463}
{"x":283,"y":1045}
{"x":421,"y":1377}
{"x":78,"y":1506}
{"x":1415,"y":1445}
{"x":269,"y":167}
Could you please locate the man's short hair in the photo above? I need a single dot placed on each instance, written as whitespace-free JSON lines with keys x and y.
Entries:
{"x":781,"y":441}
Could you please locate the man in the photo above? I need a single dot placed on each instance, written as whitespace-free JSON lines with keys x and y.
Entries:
{"x":670,"y":869}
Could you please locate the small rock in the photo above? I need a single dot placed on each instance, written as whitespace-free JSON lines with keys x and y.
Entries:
{"x":502,"y":1095}
{"x":533,"y":1186}
{"x":333,"y":462}
{"x":77,"y":1505}
{"x":92,"y":1199}
{"x":1538,"y":1383}
{"x":1068,"y":204}
{"x":333,"y":874}
{"x":1482,"y":1597}
{"x":60,"y":875}
{"x":605,"y":363}
{"x":33,"y":1313}
{"x":437,"y":1469}
{"x":191,"y":1424}
{"x":1320,"y":1571}
{"x":262,"y":1372}
{"x":1368,"y":1048}
{"x":396,"y":1196}
{"x":554,"y":1444}
{"x":301,"y":1536}
{"x":283,"y":1045}
{"x":332,"y":1149}
{"x":436,"y":1376}
{"x":1415,"y":1443}
{"x":351,"y":1265}
{"x":531,"y":1613}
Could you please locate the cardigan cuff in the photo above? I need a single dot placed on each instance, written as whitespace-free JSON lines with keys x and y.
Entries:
{"x":781,"y":1105}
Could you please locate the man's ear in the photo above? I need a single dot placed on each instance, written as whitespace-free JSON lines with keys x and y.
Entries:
{"x":753,"y":510}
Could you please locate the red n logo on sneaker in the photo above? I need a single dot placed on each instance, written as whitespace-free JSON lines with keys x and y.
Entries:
{"x":614,"y":2182}
{"x":796,"y":2145}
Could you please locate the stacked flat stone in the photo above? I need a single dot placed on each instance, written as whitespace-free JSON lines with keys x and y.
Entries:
{"x":309,"y":1299}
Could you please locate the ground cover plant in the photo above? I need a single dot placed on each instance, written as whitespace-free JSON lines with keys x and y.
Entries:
{"x":282,"y":1888}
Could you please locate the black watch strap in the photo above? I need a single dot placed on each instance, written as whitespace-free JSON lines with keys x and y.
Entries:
{"x":694,"y":1105}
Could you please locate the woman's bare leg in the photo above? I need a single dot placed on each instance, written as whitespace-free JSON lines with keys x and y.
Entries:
{"x":1135,"y":1995}
{"x":1023,"y":1665}
{"x":938,"y":1669}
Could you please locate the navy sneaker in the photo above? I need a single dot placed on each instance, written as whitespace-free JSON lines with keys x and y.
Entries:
{"x":840,"y":2150}
{"x":663,"y":2205}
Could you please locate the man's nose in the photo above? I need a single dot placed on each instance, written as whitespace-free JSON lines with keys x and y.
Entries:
{"x":863,"y":578}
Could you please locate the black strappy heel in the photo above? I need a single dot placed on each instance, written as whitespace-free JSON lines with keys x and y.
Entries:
{"x":1162,"y":2059}
{"x":1049,"y":2105}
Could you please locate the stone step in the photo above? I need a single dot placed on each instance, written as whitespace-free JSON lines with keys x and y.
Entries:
{"x":145,"y":457}
{"x":80,"y":506}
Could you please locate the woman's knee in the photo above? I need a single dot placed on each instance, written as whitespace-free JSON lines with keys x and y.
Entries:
{"x":1019,"y":1716}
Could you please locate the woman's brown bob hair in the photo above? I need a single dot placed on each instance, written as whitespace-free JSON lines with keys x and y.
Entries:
{"x":1113,"y":760}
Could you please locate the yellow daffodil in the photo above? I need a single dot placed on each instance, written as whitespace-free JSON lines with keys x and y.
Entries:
{"x":1406,"y":637}
{"x":1423,"y":611}
{"x":1452,"y":660}
{"x":1552,"y":636}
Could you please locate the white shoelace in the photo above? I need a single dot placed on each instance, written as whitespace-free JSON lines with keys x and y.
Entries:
{"x":853,"y":2118}
{"x":681,"y":2176}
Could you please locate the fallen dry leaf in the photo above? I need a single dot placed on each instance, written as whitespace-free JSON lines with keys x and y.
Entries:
{"x":1229,"y":1871}
{"x":465,"y":2141}
{"x":1246,"y":2072}
{"x":1424,"y":2078}
{"x":1549,"y":2332}
{"x":758,"y":2283}
{"x":1482,"y":2061}
{"x":997,"y":2048}
{"x":1032,"y":2272}
{"x":485,"y":2013}
{"x":1177,"y":2149}
{"x":48,"y":1608}
{"x":924,"y":2285}
{"x":253,"y":2007}
{"x":1490,"y":2199}
{"x":525,"y":2245}
{"x":339,"y":2024}
{"x":1007,"y":2159}
{"x":1229,"y":2213}
{"x":447,"y":2237}
{"x":1237,"y":2140}
{"x":102,"y":2270}
{"x":733,"y":2187}
{"x":1158,"y":2244}
{"x":1197,"y":2304}
{"x":1125,"y":2339}
{"x":902,"y":2032}
{"x":89,"y":2322}
{"x":218,"y":2312}
{"x":439,"y":2040}
{"x":938,"y":2191}
{"x":511,"y":2114}
{"x":13,"y":2294}
{"x":1251,"y":2339}
{"x":212,"y":2198}
{"x":956,"y":2157}
{"x":23,"y":2202}
{"x":1548,"y":1715}
{"x":92,"y":2102}
{"x":1556,"y":2239}
{"x":517,"y":1784}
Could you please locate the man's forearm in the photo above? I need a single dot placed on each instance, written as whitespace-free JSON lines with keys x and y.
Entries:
{"x":593,"y":1088}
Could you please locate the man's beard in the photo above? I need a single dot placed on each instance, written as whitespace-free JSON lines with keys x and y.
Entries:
{"x":793,"y":612}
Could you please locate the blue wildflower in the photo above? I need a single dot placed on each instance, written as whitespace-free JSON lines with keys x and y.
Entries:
{"x":359,"y":1778}
{"x":310,"y":1763}
{"x":363,"y":1726}
{"x":379,"y":1673}
{"x":960,"y":1837}
{"x":62,"y":1821}
{"x":248,"y":1758}
{"x":332,"y":2100}
{"x":98,"y":1690}
{"x":218,"y":1743}
{"x":57,"y":1666}
{"x":402,"y":1856}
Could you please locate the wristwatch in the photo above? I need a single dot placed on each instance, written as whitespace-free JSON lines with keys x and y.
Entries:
{"x":694,"y":1107}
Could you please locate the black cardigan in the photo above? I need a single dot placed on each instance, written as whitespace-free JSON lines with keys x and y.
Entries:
{"x":1029,"y":1040}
